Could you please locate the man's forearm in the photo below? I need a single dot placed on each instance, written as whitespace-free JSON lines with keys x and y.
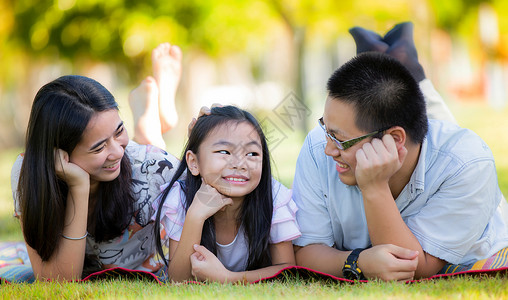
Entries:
{"x":321,"y":258}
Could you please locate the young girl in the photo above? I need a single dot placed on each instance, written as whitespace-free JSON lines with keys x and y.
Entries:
{"x":228,"y":203}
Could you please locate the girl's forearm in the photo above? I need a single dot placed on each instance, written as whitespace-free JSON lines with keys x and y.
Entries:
{"x":180,"y":268}
{"x":254,"y":275}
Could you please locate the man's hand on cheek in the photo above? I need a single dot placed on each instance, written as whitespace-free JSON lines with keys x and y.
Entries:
{"x":378,"y":161}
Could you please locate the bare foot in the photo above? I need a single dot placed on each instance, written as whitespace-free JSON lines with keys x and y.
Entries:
{"x":143,"y":101}
{"x":167,"y":70}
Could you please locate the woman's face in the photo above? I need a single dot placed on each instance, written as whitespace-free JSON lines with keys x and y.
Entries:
{"x":102,"y":147}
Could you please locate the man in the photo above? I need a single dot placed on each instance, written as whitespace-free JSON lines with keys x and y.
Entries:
{"x":382,"y":191}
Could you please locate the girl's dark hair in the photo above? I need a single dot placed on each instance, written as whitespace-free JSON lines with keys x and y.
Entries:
{"x":60,"y":113}
{"x":257,"y":207}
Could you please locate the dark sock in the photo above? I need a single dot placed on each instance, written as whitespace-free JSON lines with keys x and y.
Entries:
{"x":402,"y":47}
{"x":367,"y":40}
{"x":401,"y":30}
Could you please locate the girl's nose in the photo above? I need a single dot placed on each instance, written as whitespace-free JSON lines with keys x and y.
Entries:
{"x":238,"y":162}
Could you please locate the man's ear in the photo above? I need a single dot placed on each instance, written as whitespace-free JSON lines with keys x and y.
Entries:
{"x":399,"y":136}
{"x":192,"y":162}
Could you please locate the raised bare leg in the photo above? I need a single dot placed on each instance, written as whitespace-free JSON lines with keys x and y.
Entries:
{"x":144,"y":103}
{"x":167,"y":70}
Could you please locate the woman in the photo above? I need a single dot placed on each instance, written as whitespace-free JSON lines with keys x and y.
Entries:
{"x":85,"y":191}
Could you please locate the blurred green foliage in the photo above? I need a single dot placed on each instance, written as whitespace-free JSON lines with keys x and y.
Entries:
{"x":123,"y":31}
{"x":77,"y":34}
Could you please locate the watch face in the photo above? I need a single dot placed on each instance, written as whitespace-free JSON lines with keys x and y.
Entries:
{"x":350,"y":274}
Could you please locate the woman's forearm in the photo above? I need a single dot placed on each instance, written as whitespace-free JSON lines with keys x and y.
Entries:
{"x":66,"y":263}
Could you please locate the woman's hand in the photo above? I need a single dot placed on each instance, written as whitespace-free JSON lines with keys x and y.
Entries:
{"x":69,"y":172}
{"x":206,"y":266}
{"x":203,"y":111}
{"x":207,"y":202}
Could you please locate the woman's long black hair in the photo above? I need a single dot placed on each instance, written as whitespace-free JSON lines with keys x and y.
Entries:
{"x":60,"y":113}
{"x":257,"y":207}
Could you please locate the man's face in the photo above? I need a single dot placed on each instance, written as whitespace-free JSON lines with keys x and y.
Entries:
{"x":339,"y":120}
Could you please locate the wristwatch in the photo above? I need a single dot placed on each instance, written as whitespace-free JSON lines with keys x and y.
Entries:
{"x":351,"y":270}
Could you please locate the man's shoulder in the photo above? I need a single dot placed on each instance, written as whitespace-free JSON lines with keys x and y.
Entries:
{"x":448,"y":139}
{"x":315,"y":141}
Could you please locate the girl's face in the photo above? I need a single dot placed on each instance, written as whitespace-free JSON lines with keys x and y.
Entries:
{"x":230,"y":159}
{"x":102,"y":147}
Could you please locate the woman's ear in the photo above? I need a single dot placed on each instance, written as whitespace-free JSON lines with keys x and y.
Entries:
{"x":399,"y":136}
{"x":192,"y":162}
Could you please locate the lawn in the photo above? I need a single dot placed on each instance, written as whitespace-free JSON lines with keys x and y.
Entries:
{"x":491,"y":124}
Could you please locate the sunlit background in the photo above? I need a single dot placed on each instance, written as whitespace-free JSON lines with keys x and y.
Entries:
{"x":254,"y":54}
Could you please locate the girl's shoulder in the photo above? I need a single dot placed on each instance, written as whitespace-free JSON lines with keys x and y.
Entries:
{"x":284,"y":225}
{"x":282,"y":196}
{"x":175,"y":198}
{"x":172,"y":211}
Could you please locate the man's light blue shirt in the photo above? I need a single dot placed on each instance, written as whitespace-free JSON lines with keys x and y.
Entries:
{"x":451,"y":203}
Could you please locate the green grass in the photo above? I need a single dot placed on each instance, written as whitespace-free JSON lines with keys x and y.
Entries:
{"x":489,"y":123}
{"x":457,"y":288}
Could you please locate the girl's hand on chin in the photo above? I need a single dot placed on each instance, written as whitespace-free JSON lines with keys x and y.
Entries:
{"x":69,"y":172}
{"x":208,"y":201}
{"x":206,"y":266}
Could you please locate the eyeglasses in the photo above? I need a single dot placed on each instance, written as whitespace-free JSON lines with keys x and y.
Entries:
{"x":349,"y":143}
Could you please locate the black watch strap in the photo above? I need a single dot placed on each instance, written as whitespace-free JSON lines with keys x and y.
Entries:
{"x":351,"y":270}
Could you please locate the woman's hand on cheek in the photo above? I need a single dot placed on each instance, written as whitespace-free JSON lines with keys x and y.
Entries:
{"x":206,"y":266}
{"x":69,"y":172}
{"x":208,"y":201}
{"x":205,"y":110}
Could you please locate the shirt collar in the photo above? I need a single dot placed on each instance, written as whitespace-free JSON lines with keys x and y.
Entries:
{"x":416,"y":183}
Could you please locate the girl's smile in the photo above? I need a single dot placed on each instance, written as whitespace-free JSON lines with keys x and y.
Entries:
{"x":236,"y":179}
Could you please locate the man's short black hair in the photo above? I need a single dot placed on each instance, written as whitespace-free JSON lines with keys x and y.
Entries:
{"x":383,"y":94}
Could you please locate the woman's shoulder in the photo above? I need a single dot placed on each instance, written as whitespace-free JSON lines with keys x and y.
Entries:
{"x":15,"y":171}
{"x":141,"y":153}
{"x":148,"y":160}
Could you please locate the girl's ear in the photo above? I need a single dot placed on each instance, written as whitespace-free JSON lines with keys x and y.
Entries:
{"x":399,"y":136}
{"x":192,"y":162}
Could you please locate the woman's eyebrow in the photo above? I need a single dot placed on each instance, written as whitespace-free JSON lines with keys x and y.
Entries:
{"x":102,"y":141}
